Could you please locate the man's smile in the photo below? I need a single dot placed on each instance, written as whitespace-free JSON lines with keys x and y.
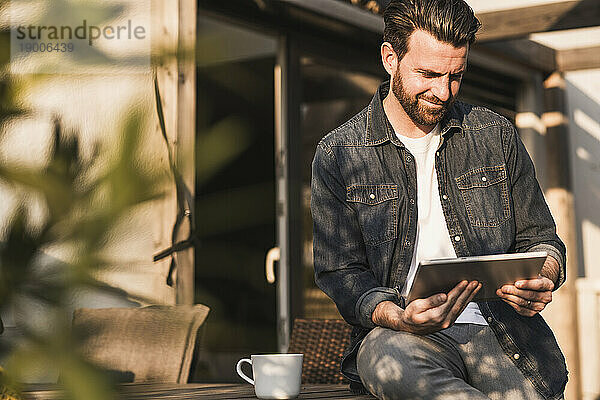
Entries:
{"x":434,"y":103}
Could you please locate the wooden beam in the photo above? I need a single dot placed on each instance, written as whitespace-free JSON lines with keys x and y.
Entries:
{"x":543,"y":58}
{"x":561,"y":314}
{"x":520,"y":22}
{"x":576,"y":59}
{"x":347,"y":13}
{"x":524,"y":51}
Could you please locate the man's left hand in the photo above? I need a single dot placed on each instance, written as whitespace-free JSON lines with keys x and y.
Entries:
{"x":529,"y":297}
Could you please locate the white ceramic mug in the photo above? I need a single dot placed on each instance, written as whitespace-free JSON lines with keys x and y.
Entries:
{"x":276,"y":376}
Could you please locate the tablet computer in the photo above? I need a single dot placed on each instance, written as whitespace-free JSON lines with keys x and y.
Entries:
{"x":440,"y":276}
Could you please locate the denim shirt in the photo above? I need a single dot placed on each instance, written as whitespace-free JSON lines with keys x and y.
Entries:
{"x":364,"y":188}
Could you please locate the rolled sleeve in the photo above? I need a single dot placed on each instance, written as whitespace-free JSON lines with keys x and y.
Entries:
{"x":367,"y":303}
{"x":558,"y":256}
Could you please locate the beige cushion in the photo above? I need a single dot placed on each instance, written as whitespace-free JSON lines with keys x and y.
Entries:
{"x":152,"y":343}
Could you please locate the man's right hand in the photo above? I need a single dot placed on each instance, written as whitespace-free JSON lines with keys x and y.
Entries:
{"x":424,"y":316}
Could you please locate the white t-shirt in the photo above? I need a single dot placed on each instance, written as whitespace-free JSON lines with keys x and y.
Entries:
{"x":433,"y":239}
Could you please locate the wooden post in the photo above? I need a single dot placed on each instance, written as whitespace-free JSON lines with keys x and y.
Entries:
{"x":186,"y":137}
{"x":562,"y":312}
{"x":175,"y":33}
{"x":164,"y":40}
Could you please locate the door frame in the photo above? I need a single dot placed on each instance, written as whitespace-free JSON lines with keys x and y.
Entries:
{"x":288,"y":159}
{"x":288,"y":188}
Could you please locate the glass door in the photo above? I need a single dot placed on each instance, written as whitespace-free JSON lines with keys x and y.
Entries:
{"x":333,"y":90}
{"x":235,"y":195}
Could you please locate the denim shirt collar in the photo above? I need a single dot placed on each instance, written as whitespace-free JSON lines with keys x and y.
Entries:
{"x":380,"y":130}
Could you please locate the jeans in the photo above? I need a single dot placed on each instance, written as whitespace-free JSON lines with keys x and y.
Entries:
{"x":464,"y":361}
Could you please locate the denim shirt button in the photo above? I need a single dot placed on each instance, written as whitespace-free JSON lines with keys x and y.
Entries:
{"x":408,"y":158}
{"x":516,"y":356}
{"x":372,"y":196}
{"x":444,"y":197}
{"x":457,"y":238}
{"x":484,"y":178}
{"x":407,"y":243}
{"x":412,"y":201}
{"x":490,"y":319}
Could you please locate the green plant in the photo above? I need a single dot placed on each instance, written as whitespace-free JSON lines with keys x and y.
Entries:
{"x":54,"y":242}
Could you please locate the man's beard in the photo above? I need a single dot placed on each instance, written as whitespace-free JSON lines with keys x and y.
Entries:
{"x":419,"y":113}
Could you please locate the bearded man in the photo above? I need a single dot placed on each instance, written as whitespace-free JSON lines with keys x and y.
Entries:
{"x":417,"y":175}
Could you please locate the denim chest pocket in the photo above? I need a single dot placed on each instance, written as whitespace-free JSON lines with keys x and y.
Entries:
{"x":485,"y":194}
{"x":377,"y":209}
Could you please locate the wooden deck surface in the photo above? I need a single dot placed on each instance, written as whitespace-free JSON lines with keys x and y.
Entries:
{"x":135,"y":391}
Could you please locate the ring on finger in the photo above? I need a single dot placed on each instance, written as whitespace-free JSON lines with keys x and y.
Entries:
{"x":528,"y":303}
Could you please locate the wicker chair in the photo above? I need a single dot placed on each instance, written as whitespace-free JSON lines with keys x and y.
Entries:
{"x":322,"y":341}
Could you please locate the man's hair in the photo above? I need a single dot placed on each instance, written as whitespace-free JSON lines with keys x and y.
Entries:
{"x":449,"y":21}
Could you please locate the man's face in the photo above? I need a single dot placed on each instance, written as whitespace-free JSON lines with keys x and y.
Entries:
{"x":428,"y":78}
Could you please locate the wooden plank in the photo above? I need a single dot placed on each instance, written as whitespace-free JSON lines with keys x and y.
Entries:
{"x":543,"y":58}
{"x":520,"y":22}
{"x":146,"y":391}
{"x":576,"y":59}
{"x":524,"y":51}
{"x":133,"y":392}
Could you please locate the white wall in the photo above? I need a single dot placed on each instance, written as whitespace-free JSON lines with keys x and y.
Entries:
{"x":96,"y":105}
{"x":583,"y":97}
